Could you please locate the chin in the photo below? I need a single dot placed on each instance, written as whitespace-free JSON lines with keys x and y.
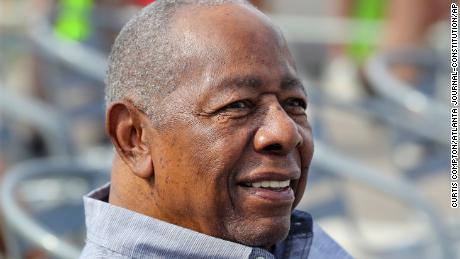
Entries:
{"x":263,"y":232}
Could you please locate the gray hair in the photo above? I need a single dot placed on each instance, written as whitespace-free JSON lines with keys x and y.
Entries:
{"x":143,"y":64}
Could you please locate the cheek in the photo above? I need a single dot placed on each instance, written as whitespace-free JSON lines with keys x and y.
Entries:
{"x":218,"y":149}
{"x":306,"y":152}
{"x":198,"y":164}
{"x":216,"y":156}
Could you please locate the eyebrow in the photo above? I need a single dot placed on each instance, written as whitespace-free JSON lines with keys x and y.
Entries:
{"x":290,"y":82}
{"x":252,"y":81}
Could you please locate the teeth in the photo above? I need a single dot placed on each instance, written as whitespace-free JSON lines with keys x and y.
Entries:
{"x":271,"y":184}
{"x":274,"y":184}
{"x":284,"y":183}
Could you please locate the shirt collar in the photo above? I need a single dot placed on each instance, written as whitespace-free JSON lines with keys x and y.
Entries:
{"x":136,"y":235}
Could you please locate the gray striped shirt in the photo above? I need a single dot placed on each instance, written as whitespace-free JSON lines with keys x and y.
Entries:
{"x":114,"y":232}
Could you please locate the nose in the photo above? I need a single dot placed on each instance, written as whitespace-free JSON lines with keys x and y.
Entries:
{"x":278,"y":133}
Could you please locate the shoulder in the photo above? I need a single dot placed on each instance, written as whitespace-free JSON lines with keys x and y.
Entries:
{"x":94,"y":251}
{"x":320,"y":244}
{"x":323,"y":246}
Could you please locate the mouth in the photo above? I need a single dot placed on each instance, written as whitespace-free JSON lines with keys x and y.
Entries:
{"x":270,"y":188}
{"x":269,"y":185}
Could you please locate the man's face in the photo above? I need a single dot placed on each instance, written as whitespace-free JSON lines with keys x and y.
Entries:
{"x":233,"y":158}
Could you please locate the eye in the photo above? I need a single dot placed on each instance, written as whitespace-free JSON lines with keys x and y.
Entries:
{"x":244,"y":104}
{"x":296,"y":102}
{"x":237,"y":109}
{"x":295,"y":105}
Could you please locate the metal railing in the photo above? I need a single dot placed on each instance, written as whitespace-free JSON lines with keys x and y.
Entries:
{"x":82,"y":58}
{"x":50,"y":123}
{"x":347,"y":168}
{"x":19,"y":222}
{"x":419,"y":112}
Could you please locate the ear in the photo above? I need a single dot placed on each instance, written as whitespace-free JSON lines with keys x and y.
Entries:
{"x":129,"y":129}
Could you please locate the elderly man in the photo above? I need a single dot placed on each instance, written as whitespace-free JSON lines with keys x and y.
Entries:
{"x":213,"y":145}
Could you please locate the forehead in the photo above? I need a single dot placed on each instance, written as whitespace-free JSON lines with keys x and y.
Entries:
{"x":230,"y":34}
{"x":224,"y":22}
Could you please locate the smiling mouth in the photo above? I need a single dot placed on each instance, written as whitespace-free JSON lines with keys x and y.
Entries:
{"x":270,"y":185}
{"x":272,"y":191}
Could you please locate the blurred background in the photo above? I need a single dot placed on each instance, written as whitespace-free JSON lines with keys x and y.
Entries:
{"x":377,"y":75}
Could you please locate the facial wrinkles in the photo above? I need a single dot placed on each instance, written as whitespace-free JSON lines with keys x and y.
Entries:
{"x":218,"y":174}
{"x":268,"y":113}
{"x":275,"y":121}
{"x":216,"y":56}
{"x":203,"y":131}
{"x":218,"y":134}
{"x":249,"y":165}
{"x":245,"y":165}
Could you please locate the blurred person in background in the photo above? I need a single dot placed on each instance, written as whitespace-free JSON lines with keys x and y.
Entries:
{"x":208,"y":118}
{"x":406,"y":24}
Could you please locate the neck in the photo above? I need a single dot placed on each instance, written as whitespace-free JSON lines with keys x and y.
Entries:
{"x":128,"y":190}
